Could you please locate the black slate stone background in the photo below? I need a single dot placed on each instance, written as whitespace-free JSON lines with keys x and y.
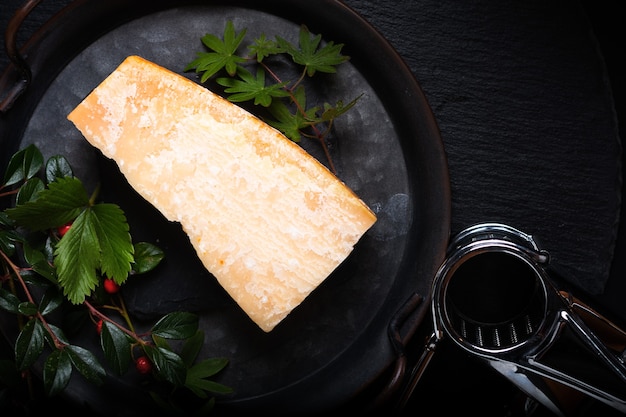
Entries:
{"x":529,"y":101}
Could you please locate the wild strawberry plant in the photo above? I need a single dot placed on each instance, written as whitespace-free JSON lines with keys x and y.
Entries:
{"x":63,"y":250}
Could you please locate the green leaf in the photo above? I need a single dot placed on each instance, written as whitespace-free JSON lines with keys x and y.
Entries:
{"x":5,"y":220}
{"x":8,"y":301}
{"x":331,"y":112}
{"x":191,"y":348}
{"x":167,"y":364}
{"x":57,"y":371}
{"x":114,"y":240}
{"x":288,"y":123}
{"x":176,"y":325}
{"x":86,"y":363}
{"x":23,"y":165}
{"x":263,"y":47}
{"x":197,"y":376}
{"x":252,"y":88}
{"x":324,"y":59}
{"x":198,"y":385}
{"x":27,"y":308}
{"x":7,"y":241}
{"x":161,"y":342}
{"x":99,"y":240}
{"x":77,"y":257}
{"x":116,"y":347}
{"x":60,"y":203}
{"x":50,"y":301}
{"x":29,"y":190}
{"x":147,"y":257}
{"x":29,"y":344}
{"x":208,"y":367}
{"x":58,"y":167}
{"x":39,"y":262}
{"x":223,"y":55}
{"x":58,"y":333}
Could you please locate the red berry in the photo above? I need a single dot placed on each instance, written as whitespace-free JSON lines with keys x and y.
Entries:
{"x":62,"y":230}
{"x":99,"y":326}
{"x":111,"y":286}
{"x":143,"y":365}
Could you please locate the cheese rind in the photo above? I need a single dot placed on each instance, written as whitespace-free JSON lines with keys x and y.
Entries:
{"x":268,"y":220}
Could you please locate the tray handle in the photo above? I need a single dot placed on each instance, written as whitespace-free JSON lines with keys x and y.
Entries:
{"x":12,"y":50}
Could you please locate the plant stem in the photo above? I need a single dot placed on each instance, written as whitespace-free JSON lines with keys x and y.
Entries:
{"x":94,"y":311}
{"x":318,"y":135}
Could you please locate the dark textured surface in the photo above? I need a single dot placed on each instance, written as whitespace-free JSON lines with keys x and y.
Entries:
{"x":524,"y":105}
{"x":524,"y":109}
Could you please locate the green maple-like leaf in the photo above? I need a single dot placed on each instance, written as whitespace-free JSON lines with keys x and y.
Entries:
{"x":309,"y":54}
{"x":290,"y":123}
{"x":249,"y":87}
{"x":223,"y":53}
{"x":332,"y":112}
{"x":263,"y":47}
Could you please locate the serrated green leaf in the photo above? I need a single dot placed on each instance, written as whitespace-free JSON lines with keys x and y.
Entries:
{"x":289,"y":123}
{"x":60,"y":203}
{"x":114,"y":240}
{"x":176,"y":325}
{"x":24,"y":164}
{"x":167,"y":364}
{"x":86,"y":363}
{"x":253,"y":88}
{"x":263,"y":47}
{"x":57,"y":371}
{"x":8,"y":301}
{"x":58,"y":167}
{"x":223,"y":55}
{"x":77,"y":258}
{"x":147,"y":257}
{"x":116,"y":347}
{"x":332,"y":112}
{"x":29,"y":344}
{"x":324,"y":59}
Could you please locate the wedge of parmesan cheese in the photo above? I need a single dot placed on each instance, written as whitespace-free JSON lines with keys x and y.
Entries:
{"x":268,"y":220}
